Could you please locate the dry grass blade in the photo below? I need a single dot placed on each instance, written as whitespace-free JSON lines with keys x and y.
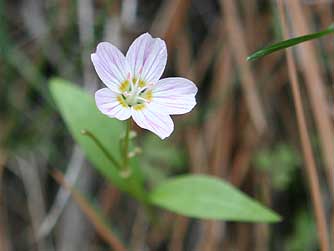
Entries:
{"x":316,"y":90}
{"x":238,"y":45}
{"x":30,"y":176}
{"x":101,"y":228}
{"x":62,"y":197}
{"x":169,"y":20}
{"x":306,"y":145}
{"x":179,"y":233}
{"x":4,"y":241}
{"x":3,"y":159}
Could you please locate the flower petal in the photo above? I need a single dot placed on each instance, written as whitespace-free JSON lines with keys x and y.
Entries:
{"x":175,"y":95}
{"x":107,"y":102}
{"x":111,"y":65}
{"x":147,"y":58}
{"x":153,"y":119}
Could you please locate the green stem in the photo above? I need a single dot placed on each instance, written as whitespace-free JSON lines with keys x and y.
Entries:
{"x":102,"y":148}
{"x":126,"y":145}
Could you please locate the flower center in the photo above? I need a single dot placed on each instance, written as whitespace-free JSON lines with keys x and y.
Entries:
{"x":135,"y":93}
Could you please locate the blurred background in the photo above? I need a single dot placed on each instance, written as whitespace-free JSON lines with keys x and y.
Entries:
{"x":244,"y":128}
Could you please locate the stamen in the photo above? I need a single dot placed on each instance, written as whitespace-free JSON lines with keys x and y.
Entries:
{"x":145,"y":88}
{"x":143,"y":99}
{"x":122,"y":101}
{"x":141,"y":89}
{"x":132,"y":85}
{"x":139,"y":107}
{"x":137,"y":81}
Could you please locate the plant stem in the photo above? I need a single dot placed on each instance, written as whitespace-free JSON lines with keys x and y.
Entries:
{"x":310,"y":165}
{"x":126,"y":146}
{"x":102,"y":148}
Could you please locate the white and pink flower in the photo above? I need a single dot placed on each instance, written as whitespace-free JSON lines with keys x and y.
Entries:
{"x":134,"y":88}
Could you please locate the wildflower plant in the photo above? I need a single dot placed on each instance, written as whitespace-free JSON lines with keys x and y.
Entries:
{"x":134,"y":89}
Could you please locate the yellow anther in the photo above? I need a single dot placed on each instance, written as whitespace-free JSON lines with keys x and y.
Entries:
{"x":141,"y":83}
{"x":121,"y":101}
{"x":124,"y":86}
{"x":139,"y":107}
{"x":148,"y":95}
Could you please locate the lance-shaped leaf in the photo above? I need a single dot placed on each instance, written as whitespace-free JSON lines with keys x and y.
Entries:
{"x":206,"y":197}
{"x":288,"y":43}
{"x":79,"y":111}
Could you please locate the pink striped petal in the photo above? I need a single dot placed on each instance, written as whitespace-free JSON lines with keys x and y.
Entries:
{"x":111,"y":65}
{"x":175,"y":95}
{"x":147,"y":58}
{"x":153,"y":119}
{"x":107,"y":103}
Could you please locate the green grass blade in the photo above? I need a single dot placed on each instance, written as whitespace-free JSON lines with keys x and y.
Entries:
{"x":288,"y":43}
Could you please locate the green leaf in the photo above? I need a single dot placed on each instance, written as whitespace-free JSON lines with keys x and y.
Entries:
{"x":288,"y":43}
{"x":207,"y":197}
{"x":79,"y":111}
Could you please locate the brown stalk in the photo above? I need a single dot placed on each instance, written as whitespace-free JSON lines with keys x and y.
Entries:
{"x":197,"y":151}
{"x":183,"y":56}
{"x":237,"y":42}
{"x":178,"y":233}
{"x":170,"y":19}
{"x":242,"y":160}
{"x":211,"y":232}
{"x":217,"y":133}
{"x":139,"y":231}
{"x":325,"y":12}
{"x":222,"y":106}
{"x":109,"y":197}
{"x":306,"y":144}
{"x":222,"y":141}
{"x":161,"y":231}
{"x":192,"y":137}
{"x":262,"y":233}
{"x":206,"y":52}
{"x":4,"y":241}
{"x":244,"y":238}
{"x":316,"y":90}
{"x":30,"y":176}
{"x":100,"y":227}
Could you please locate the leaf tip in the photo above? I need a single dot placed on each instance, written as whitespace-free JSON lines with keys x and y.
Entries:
{"x":253,"y":56}
{"x":274,"y":217}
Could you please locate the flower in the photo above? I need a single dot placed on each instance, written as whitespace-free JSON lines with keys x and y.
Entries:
{"x":134,"y":88}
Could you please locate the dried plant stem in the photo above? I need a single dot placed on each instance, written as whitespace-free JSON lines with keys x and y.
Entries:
{"x":314,"y":82}
{"x":61,"y":200}
{"x":4,"y":240}
{"x":306,"y":145}
{"x":169,"y":20}
{"x":101,"y":228}
{"x":179,"y":232}
{"x":237,"y":43}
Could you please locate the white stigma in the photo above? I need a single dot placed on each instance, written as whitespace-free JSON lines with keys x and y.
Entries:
{"x":135,"y":95}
